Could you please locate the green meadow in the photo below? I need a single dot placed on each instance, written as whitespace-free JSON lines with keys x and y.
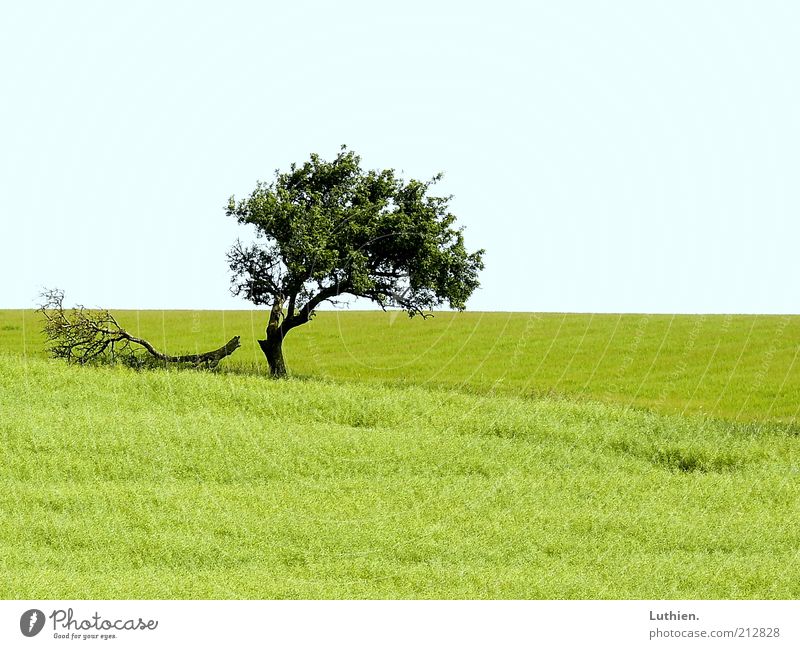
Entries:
{"x":741,"y":368}
{"x":473,"y":455}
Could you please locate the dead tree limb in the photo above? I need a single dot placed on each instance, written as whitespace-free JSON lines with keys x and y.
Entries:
{"x":81,"y":335}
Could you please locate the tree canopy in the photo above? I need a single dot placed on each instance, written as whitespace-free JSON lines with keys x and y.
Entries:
{"x":329,"y":228}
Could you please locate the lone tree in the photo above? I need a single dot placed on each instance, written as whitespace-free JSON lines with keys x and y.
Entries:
{"x":325,"y":229}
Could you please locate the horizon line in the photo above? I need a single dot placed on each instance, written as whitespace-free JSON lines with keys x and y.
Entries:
{"x":265,"y":309}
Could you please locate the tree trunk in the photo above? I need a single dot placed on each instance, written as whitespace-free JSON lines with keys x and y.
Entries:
{"x":273,"y":345}
{"x":273,"y":350}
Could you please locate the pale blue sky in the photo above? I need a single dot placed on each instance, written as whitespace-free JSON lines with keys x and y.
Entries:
{"x":621,"y":156}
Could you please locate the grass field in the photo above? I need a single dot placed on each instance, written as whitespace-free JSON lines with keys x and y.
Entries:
{"x":469,"y":456}
{"x":741,"y":368}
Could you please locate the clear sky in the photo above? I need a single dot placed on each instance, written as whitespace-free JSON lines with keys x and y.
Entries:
{"x":610,"y":156}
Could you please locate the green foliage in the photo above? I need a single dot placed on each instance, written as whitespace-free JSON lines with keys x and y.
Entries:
{"x":328,"y":228}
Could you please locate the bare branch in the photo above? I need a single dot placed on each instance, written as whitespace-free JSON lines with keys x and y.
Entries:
{"x":305,"y":312}
{"x":257,"y":272}
{"x":82,"y":336}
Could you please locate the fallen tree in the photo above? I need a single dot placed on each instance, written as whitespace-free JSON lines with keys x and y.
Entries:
{"x":81,"y":335}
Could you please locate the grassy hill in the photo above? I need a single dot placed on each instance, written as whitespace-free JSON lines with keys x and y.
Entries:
{"x":469,"y":456}
{"x":741,"y":368}
{"x":160,"y":484}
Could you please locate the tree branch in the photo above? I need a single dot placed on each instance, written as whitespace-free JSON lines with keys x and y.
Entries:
{"x":307,"y":310}
{"x":292,"y":303}
{"x":81,"y":336}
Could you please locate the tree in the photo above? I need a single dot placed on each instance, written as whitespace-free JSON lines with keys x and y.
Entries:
{"x":328,"y":228}
{"x":81,"y":335}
